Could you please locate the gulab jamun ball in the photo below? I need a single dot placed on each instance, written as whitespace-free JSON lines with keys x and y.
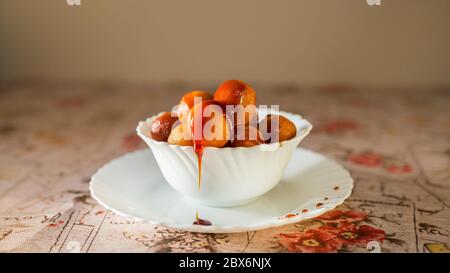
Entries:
{"x":188,"y":101}
{"x":246,"y":136}
{"x":236,"y":92}
{"x":215,"y":130}
{"x":180,"y":135}
{"x":283,"y":128}
{"x":162,"y":126}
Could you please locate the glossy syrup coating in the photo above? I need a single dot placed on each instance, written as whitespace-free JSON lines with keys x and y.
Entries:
{"x":215,"y":131}
{"x":284,"y":128}
{"x":236,"y":92}
{"x":162,"y":126}
{"x":180,"y":136}
{"x":187,"y":102}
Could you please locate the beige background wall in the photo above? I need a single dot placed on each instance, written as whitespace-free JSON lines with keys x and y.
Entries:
{"x":401,"y":42}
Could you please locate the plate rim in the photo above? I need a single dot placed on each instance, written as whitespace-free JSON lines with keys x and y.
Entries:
{"x":281,"y":221}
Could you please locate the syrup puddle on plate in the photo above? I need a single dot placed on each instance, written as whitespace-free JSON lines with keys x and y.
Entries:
{"x":201,"y":222}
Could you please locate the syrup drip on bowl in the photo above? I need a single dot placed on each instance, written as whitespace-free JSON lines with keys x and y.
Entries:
{"x":197,"y":122}
{"x":197,"y":134}
{"x":198,"y":149}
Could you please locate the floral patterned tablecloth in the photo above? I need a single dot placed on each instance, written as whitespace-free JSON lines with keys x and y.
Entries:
{"x":395,"y":143}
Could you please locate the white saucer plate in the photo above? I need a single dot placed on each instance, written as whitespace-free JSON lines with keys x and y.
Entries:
{"x":133,"y":186}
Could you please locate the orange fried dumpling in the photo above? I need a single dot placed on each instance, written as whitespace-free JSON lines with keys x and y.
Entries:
{"x":238,"y":93}
{"x":180,"y":135}
{"x":282,"y":129}
{"x":208,"y":123}
{"x":188,"y":101}
{"x":161,"y":126}
{"x":246,"y":136}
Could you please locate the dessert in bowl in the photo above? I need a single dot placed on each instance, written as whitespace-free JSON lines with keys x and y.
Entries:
{"x":224,"y":170}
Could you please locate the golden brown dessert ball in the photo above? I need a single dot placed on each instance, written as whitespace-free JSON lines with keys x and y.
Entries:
{"x":187,"y":102}
{"x":180,"y":135}
{"x":236,"y":92}
{"x":251,"y":138}
{"x":284,"y":128}
{"x":161,"y":126}
{"x":215,"y":130}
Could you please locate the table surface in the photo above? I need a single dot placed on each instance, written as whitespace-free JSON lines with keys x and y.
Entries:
{"x":395,"y":143}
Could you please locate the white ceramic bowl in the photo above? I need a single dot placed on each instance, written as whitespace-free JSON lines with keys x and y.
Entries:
{"x":230,"y":176}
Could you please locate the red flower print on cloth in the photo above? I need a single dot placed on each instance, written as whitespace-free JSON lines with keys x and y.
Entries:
{"x":342,"y":216}
{"x":338,"y":126}
{"x":311,"y":241}
{"x":372,"y":160}
{"x":393,"y":168}
{"x":366,"y":159}
{"x":350,"y":234}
